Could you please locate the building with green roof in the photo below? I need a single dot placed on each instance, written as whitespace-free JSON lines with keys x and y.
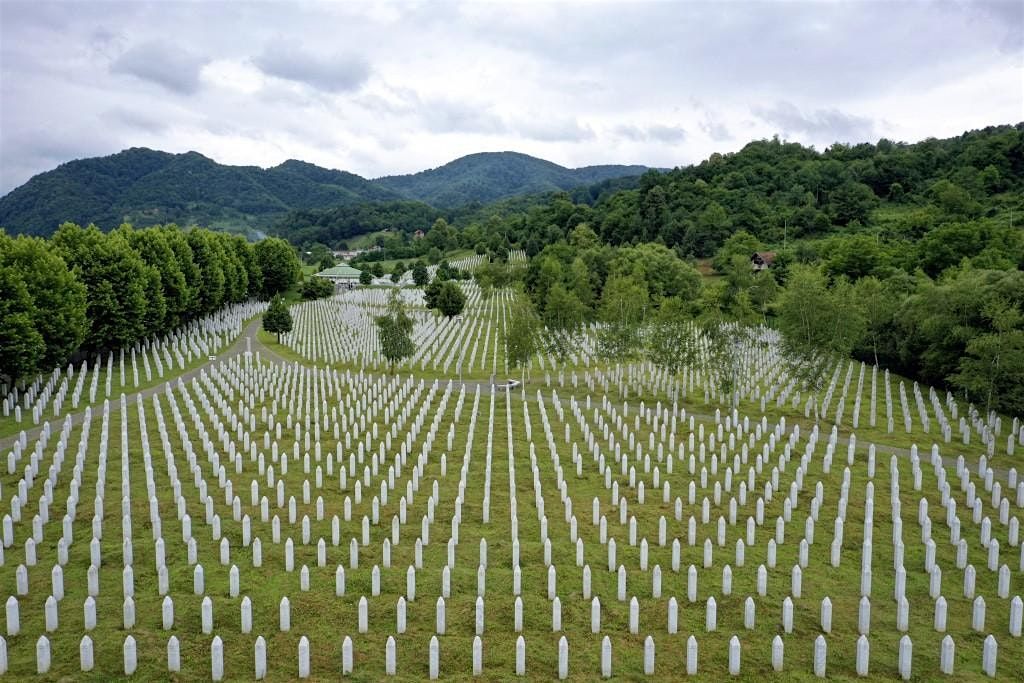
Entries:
{"x":341,"y":276}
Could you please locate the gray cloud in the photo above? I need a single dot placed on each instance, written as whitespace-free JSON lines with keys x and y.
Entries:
{"x":823,"y":125}
{"x":653,"y":133}
{"x":715,"y":129}
{"x":136,"y":120}
{"x":166,"y":65}
{"x":450,"y":116}
{"x":339,"y":73}
{"x":384,"y":88}
{"x":553,"y":129}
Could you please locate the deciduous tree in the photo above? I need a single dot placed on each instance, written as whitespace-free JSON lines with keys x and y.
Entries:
{"x":277,"y":319}
{"x":394,"y":331}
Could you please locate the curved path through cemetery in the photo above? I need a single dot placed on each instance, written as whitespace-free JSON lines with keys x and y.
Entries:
{"x":248,"y":340}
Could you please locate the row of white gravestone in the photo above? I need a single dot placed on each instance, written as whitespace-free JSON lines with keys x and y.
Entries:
{"x":947,"y":655}
{"x":195,"y":339}
{"x":440,"y":343}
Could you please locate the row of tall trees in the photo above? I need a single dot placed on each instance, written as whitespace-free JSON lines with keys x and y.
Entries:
{"x":89,"y":291}
{"x":964,"y":330}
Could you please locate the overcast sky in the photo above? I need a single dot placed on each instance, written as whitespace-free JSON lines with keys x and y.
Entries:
{"x":382,"y":88}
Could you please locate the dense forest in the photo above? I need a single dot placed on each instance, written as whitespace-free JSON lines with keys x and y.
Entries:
{"x":146,"y":187}
{"x":905,"y":255}
{"x":490,"y":176}
{"x":89,"y":291}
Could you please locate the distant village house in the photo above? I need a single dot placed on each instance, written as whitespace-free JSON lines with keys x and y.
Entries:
{"x":762,"y":260}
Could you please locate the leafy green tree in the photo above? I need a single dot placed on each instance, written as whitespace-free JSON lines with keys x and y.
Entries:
{"x":377,"y":269}
{"x":211,"y":290}
{"x":763,"y":291}
{"x":277,"y":319}
{"x":116,"y":282}
{"x":485,"y":277}
{"x":420,"y":276}
{"x":319,"y":254}
{"x":662,"y":271}
{"x":522,"y":334}
{"x":394,"y":331}
{"x":725,"y":344}
{"x":252,"y":275}
{"x":877,"y":305}
{"x":991,"y":372}
{"x":156,"y":305}
{"x":740,"y":243}
{"x":22,"y":347}
{"x":279,"y":265}
{"x":947,"y":245}
{"x":236,"y":283}
{"x":450,"y":299}
{"x":154,"y":246}
{"x":711,"y":230}
{"x":954,"y":199}
{"x":734,"y":295}
{"x":563,"y":312}
{"x":441,"y":236}
{"x":58,"y":297}
{"x":317,"y":288}
{"x":581,"y":283}
{"x":622,"y":313}
{"x":187,"y":301}
{"x":432,"y":292}
{"x":817,"y":325}
{"x":855,"y":256}
{"x":583,"y":237}
{"x":671,"y":341}
{"x":851,"y":201}
{"x":365,"y":277}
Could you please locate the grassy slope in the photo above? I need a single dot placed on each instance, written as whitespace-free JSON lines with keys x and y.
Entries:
{"x":326,"y":619}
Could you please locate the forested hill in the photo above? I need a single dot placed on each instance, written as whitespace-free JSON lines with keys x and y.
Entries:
{"x":146,"y":187}
{"x":490,"y":176}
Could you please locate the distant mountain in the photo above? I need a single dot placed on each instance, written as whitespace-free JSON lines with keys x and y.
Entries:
{"x":143,"y":187}
{"x":488,"y":176}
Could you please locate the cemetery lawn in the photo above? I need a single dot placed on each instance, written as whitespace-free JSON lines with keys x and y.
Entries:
{"x":325,"y":619}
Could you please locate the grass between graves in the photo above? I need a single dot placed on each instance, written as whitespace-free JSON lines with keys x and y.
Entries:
{"x":326,"y":619}
{"x":9,"y":427}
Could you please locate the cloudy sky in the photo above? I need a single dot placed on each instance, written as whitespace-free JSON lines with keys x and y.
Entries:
{"x":387,"y":88}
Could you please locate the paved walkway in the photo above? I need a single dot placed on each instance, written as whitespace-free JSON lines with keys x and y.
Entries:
{"x":245,"y":341}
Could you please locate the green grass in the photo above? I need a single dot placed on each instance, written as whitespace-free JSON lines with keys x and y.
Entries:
{"x":326,"y":619}
{"x":8,"y":426}
{"x":364,"y":241}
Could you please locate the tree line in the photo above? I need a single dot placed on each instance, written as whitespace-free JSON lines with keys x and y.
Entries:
{"x":87,"y":291}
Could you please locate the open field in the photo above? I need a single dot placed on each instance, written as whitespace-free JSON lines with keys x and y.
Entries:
{"x":250,"y":511}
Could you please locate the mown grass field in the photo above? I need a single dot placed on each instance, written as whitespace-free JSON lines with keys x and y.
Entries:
{"x":326,"y":619}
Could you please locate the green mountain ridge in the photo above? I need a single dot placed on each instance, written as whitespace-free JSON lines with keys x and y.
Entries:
{"x":490,"y":176}
{"x":145,"y":187}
